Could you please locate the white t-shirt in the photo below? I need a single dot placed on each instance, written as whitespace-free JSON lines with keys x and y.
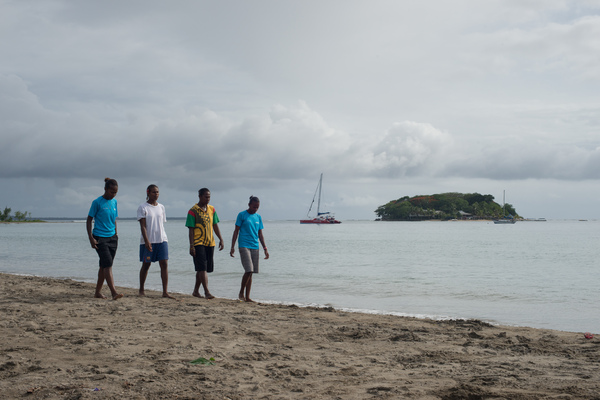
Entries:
{"x":155,"y":216}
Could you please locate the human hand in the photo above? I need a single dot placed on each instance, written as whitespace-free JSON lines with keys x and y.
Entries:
{"x":232,"y":252}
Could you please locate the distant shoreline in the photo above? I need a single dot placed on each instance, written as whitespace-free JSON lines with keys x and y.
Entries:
{"x":24,"y":222}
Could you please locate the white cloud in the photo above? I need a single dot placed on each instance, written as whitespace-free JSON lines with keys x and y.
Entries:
{"x":410,"y":148}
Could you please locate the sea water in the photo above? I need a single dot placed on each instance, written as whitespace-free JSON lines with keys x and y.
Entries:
{"x":537,"y":274}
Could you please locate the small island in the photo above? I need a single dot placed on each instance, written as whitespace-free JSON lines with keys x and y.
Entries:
{"x":25,"y":216}
{"x":444,"y":207}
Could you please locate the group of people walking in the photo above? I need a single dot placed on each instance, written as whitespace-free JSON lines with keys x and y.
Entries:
{"x":202,"y":222}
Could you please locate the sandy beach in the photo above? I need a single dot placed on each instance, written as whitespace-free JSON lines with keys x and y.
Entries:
{"x":58,"y":342}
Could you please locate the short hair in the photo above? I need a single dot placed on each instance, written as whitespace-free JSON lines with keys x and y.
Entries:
{"x":109,"y":183}
{"x":203,"y":191}
{"x":253,"y":199}
{"x":149,"y":188}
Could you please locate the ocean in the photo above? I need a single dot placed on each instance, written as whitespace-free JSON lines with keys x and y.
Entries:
{"x":536,"y":274}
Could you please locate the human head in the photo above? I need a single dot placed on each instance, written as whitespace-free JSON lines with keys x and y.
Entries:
{"x":108,"y":182}
{"x":150,"y":189}
{"x":204,"y":196}
{"x":111,"y":187}
{"x":253,"y":204}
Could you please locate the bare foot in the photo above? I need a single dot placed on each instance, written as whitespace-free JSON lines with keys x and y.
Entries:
{"x":249,"y":300}
{"x":209,"y":296}
{"x":168,"y":296}
{"x":241,"y":298}
{"x":117,"y":296}
{"x":198,"y":295}
{"x":141,"y":293}
{"x":99,"y":296}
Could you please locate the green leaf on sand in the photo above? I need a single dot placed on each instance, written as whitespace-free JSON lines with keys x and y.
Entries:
{"x":202,"y":360}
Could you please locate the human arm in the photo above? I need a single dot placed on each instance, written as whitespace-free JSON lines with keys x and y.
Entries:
{"x":218,"y":233}
{"x":262,"y":242}
{"x":236,"y":231}
{"x":145,"y":234}
{"x":192,"y":248}
{"x":88,"y":226}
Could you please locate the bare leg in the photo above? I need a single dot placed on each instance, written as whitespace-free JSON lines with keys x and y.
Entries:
{"x":196,"y":291}
{"x":143,"y":276}
{"x":245,"y":278}
{"x":99,"y":284}
{"x":164,"y":276}
{"x":246,"y":286}
{"x":202,"y":280}
{"x":205,"y":283}
{"x":108,"y":276}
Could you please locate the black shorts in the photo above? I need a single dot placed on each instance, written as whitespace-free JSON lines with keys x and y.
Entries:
{"x":106,"y":249}
{"x":203,"y":261}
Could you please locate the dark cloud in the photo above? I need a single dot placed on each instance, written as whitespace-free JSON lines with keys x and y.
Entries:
{"x":287,"y":143}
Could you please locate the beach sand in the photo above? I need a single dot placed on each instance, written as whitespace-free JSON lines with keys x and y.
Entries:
{"x":58,"y":342}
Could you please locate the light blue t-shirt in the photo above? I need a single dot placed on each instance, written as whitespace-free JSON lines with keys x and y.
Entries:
{"x":249,"y":225}
{"x":104,"y":213}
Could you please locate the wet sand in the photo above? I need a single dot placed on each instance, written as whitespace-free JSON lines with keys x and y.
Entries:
{"x":59,"y":342}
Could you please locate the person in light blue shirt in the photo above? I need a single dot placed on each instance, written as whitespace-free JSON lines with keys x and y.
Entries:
{"x":249,"y":227}
{"x":103,"y":237}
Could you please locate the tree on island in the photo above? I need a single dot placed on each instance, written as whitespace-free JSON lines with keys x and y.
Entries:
{"x":18,"y":217}
{"x":444,"y":206}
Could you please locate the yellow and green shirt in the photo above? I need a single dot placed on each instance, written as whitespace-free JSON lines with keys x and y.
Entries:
{"x":202,"y":222}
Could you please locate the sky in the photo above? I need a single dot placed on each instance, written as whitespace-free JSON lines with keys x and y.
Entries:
{"x":386,"y":98}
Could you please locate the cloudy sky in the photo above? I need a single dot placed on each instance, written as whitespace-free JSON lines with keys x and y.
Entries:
{"x":386,"y":98}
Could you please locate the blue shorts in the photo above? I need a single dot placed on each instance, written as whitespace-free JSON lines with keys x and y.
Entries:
{"x":106,"y":249}
{"x":160,"y":251}
{"x":203,"y":261}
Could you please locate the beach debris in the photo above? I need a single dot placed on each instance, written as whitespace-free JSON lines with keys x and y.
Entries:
{"x":203,"y":361}
{"x":588,"y":335}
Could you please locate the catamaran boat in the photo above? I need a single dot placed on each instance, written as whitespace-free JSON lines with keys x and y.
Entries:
{"x":322,"y":217}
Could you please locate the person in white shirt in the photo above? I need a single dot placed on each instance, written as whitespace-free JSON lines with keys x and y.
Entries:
{"x":154,"y":246}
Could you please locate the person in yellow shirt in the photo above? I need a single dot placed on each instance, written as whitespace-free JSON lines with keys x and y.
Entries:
{"x":202,"y":220}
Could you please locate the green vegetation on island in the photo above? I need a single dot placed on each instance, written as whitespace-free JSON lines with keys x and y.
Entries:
{"x":19,"y":216}
{"x":444,"y":206}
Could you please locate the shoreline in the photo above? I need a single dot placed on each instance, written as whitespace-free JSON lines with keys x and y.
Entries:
{"x":348,"y":310}
{"x":60,"y":342}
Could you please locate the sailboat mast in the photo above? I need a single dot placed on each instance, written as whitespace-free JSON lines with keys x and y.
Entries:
{"x":319,"y":202}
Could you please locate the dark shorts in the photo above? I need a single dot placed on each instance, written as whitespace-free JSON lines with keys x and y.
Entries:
{"x":106,"y":249}
{"x":160,"y":251}
{"x":203,"y":261}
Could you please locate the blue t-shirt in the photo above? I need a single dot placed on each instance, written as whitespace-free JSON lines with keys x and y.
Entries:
{"x":104,"y":213}
{"x":249,"y":225}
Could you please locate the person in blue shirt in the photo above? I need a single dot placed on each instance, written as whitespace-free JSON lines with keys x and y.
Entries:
{"x":249,"y":227}
{"x":103,"y":237}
